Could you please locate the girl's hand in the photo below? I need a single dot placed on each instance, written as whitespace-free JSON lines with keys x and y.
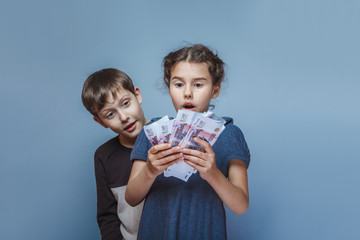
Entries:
{"x":161,"y":157}
{"x":204,"y":162}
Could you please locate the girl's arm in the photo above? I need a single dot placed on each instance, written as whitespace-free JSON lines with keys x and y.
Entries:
{"x":143,"y":173}
{"x":233,"y":192}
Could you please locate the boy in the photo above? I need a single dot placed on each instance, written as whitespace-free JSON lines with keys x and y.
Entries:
{"x":109,"y":95}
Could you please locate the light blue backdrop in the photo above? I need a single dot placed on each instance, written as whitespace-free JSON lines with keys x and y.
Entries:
{"x":292,"y":86}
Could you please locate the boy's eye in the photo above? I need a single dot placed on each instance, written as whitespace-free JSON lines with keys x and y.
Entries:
{"x":126,"y":103}
{"x":198,"y":85}
{"x":179,"y":84}
{"x":110,"y":115}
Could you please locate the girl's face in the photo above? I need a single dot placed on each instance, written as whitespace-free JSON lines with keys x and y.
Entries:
{"x":191,"y":86}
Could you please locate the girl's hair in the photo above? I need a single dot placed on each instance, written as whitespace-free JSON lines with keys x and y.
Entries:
{"x":195,"y":54}
{"x":99,"y":85}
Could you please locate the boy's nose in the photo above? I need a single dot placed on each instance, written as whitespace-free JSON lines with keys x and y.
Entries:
{"x":123,"y":117}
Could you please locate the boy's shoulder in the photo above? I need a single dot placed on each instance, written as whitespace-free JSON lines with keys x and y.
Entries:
{"x":111,"y":146}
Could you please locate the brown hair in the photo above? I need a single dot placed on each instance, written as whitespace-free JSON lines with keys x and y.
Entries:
{"x":196,"y":54}
{"x":100,"y":84}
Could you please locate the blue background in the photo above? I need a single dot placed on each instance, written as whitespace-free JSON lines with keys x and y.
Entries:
{"x":292,"y":86}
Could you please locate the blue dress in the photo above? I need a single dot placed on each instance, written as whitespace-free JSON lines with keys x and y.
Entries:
{"x":175,"y":209}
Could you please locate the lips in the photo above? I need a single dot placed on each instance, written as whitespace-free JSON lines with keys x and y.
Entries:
{"x":131,"y":127}
{"x":188,"y":106}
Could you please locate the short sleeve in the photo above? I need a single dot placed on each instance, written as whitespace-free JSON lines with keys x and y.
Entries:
{"x":141,"y":147}
{"x":236,"y":146}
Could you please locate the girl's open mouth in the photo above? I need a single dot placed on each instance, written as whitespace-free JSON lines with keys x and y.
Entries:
{"x":188,"y":106}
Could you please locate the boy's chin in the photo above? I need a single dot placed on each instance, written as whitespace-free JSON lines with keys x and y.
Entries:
{"x":130,"y":135}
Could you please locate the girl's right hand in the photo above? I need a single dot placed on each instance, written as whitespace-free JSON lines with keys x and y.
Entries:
{"x":162,"y":156}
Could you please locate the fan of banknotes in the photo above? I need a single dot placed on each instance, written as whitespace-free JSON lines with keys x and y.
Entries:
{"x":181,"y":131}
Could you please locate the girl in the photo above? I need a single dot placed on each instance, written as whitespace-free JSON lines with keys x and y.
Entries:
{"x":175,"y":209}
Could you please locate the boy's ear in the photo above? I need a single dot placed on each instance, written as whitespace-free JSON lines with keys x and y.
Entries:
{"x":216,"y":91}
{"x":138,"y":95}
{"x":98,"y":120}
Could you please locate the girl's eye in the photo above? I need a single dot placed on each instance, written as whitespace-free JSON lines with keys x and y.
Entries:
{"x":110,"y":115}
{"x":179,"y":84}
{"x":198,"y":85}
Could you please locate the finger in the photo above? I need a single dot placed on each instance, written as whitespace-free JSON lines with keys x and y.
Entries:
{"x":167,"y":152}
{"x":193,"y":152}
{"x":162,"y":150}
{"x":206,"y":145}
{"x":170,"y":158}
{"x":196,"y":166}
{"x":171,"y":163}
{"x":160,"y":147}
{"x":195,"y":160}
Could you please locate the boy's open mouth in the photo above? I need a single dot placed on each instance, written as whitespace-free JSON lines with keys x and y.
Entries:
{"x":130,"y":127}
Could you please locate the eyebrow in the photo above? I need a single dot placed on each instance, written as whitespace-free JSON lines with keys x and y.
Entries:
{"x":116,"y":100}
{"x":196,"y":79}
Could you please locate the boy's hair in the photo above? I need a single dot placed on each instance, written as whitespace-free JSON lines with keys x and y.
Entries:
{"x":195,"y":54}
{"x":100,"y":84}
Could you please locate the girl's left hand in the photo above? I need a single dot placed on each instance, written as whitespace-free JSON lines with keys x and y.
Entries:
{"x":204,"y":162}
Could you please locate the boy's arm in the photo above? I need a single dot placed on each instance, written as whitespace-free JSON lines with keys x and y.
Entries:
{"x":107,"y":218}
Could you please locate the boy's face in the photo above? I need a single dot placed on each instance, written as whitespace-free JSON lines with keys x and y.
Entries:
{"x":123,"y":115}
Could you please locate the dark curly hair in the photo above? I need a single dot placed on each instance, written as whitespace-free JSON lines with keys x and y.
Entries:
{"x":197,"y":53}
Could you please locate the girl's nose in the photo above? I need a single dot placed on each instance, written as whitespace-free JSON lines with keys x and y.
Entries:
{"x":187,"y":92}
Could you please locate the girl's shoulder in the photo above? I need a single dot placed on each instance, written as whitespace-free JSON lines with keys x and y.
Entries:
{"x":228,"y":120}
{"x":231,"y":128}
{"x":233,"y":143}
{"x":155,"y":119}
{"x":229,"y":123}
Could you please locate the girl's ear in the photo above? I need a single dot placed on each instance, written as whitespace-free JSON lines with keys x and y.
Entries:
{"x":216,"y":91}
{"x":138,"y":95}
{"x":98,"y":120}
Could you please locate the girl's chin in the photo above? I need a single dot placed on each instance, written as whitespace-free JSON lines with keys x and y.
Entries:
{"x":189,"y":109}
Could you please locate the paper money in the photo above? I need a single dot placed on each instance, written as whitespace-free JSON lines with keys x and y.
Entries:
{"x":182,"y":124}
{"x":181,"y":131}
{"x":164,"y":129}
{"x":205,"y":128}
{"x":156,"y":132}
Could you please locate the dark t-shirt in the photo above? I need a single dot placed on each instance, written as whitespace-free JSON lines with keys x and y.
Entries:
{"x":116,"y":219}
{"x":175,"y":209}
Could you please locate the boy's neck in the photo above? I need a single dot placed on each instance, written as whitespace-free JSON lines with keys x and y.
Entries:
{"x":129,"y":143}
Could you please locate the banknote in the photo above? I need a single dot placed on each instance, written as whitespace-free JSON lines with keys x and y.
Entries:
{"x":188,"y":125}
{"x":181,"y":131}
{"x":154,"y":131}
{"x":181,"y":126}
{"x":212,"y":115}
{"x":164,"y":129}
{"x":205,"y":128}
